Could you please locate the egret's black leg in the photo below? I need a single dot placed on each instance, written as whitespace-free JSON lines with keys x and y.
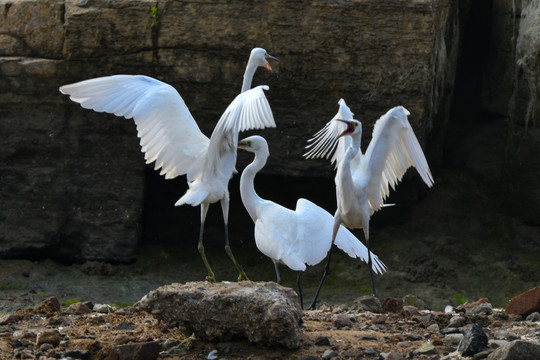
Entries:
{"x":225,"y":207}
{"x":335,"y":228}
{"x":299,"y":284}
{"x":211,"y":277}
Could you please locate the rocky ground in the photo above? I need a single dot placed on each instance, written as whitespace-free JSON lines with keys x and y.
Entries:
{"x":51,"y":331}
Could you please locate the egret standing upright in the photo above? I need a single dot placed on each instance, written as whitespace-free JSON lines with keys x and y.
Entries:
{"x":293,"y":237}
{"x":363,"y":180}
{"x":171,"y":137}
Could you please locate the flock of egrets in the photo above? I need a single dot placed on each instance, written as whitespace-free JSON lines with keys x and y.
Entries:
{"x":170,"y":137}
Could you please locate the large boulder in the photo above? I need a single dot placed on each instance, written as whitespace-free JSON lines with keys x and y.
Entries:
{"x":263,"y":312}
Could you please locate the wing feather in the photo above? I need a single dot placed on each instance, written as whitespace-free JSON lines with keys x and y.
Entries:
{"x":327,"y":143}
{"x":316,"y":226}
{"x":392,"y":150}
{"x":169,"y":134}
{"x":249,"y":110}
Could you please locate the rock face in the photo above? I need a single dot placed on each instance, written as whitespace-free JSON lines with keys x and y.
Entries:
{"x":261,"y":312}
{"x":72,"y":182}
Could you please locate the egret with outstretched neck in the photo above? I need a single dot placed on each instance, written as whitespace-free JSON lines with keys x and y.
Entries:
{"x":363,"y":180}
{"x":170,"y":137}
{"x":293,"y":237}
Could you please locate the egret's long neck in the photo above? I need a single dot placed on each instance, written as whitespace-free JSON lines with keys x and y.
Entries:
{"x":351,"y":152}
{"x":251,"y":67}
{"x":247,"y":188}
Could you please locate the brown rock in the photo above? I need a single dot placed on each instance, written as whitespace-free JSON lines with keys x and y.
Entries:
{"x":49,"y":337}
{"x":262,"y":312}
{"x":525,"y":303}
{"x":392,"y":305}
{"x":342,"y":320}
{"x":77,"y":308}
{"x":48,"y":307}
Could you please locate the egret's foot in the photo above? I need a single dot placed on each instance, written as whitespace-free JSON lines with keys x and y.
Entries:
{"x":242,"y":276}
{"x":313,"y":306}
{"x":210,"y":278}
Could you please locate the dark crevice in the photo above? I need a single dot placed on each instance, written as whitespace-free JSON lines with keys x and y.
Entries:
{"x":466,"y":111}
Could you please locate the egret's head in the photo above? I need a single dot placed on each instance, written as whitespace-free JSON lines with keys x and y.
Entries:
{"x":254,"y":144}
{"x":260,"y":57}
{"x":354,"y":127}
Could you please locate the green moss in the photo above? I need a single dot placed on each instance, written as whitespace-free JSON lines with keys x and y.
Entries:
{"x":16,"y":286}
{"x":460,"y":299}
{"x":121,"y":304}
{"x":68,"y":302}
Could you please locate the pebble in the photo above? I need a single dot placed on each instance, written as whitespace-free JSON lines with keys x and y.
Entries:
{"x":77,"y":308}
{"x":426,"y":348}
{"x":433,"y":328}
{"x":409,"y":310}
{"x":368,"y":303}
{"x":329,"y":353}
{"x":413,"y":301}
{"x":370,"y":352}
{"x":452,"y":339}
{"x":480,"y":309}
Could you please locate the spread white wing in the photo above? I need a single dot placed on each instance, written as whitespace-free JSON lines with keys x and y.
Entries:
{"x":168,"y":133}
{"x":392,"y":150}
{"x":326,"y":143}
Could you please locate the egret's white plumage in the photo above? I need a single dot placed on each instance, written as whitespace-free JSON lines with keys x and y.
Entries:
{"x":297,"y":237}
{"x":363,"y":181}
{"x":170,"y":137}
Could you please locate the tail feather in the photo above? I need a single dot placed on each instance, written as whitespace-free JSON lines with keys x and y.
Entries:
{"x":193,"y":198}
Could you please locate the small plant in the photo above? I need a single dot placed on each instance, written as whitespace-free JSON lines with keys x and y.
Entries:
{"x":154,"y":17}
{"x":460,"y":298}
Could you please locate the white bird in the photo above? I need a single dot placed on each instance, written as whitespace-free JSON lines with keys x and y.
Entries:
{"x":363,"y":180}
{"x":170,"y":136}
{"x":293,"y":237}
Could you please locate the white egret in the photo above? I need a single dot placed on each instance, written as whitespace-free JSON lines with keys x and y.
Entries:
{"x":170,"y":136}
{"x":363,"y":180}
{"x":293,"y":237}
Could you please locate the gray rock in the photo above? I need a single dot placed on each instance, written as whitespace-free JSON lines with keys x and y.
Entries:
{"x":329,"y":354}
{"x":139,"y":351}
{"x":474,"y":340}
{"x":261,"y":312}
{"x":433,"y":328}
{"x":456,"y":321}
{"x":518,"y":349}
{"x":480,"y":309}
{"x":342,"y":320}
{"x":535,"y":316}
{"x":452,"y":339}
{"x":414,"y":301}
{"x":393,"y":355}
{"x":77,"y":354}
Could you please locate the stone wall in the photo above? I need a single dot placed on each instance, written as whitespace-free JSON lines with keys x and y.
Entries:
{"x":72,"y":180}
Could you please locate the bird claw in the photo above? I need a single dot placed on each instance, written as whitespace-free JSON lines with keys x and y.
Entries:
{"x":211,"y":279}
{"x":242,"y":277}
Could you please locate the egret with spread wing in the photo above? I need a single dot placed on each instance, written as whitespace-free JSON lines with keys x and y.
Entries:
{"x":363,"y":180}
{"x":293,"y":237}
{"x":170,"y":137}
